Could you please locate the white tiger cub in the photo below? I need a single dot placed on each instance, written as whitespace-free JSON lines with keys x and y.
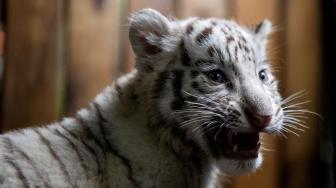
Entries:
{"x":195,"y":105}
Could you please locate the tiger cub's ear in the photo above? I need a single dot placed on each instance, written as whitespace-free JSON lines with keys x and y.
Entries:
{"x":148,"y":28}
{"x":261,"y":33}
{"x":262,"y":30}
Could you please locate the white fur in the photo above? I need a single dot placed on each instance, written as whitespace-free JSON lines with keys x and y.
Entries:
{"x":129,"y":143}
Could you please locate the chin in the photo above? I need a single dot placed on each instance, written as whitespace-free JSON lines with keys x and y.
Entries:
{"x":236,"y":152}
{"x":233,"y":167}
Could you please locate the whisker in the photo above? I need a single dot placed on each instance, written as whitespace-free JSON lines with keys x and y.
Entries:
{"x":293,"y":126}
{"x":209,"y":128}
{"x":194,"y":120}
{"x":198,"y":127}
{"x":220,"y":128}
{"x":296,"y":104}
{"x":263,"y":148}
{"x":294,"y":96}
{"x":200,"y":97}
{"x":296,"y":124}
{"x":197,"y":115}
{"x":197,"y":104}
{"x":193,"y":111}
{"x":294,"y":115}
{"x":290,"y":131}
{"x":306,"y":111}
{"x":282,"y":134}
{"x":294,"y":119}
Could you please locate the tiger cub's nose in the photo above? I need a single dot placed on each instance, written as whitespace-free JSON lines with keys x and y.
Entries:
{"x":258,"y":121}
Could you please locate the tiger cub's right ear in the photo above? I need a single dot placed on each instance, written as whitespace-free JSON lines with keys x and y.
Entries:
{"x":147,"y":31}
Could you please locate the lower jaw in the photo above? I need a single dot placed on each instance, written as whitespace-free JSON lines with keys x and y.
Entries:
{"x":234,"y":166}
{"x":241,"y":156}
{"x":240,"y":159}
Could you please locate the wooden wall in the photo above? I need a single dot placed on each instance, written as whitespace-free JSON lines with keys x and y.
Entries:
{"x":59,"y":54}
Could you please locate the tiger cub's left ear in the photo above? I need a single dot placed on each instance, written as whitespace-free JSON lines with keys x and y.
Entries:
{"x":262,"y":30}
{"x":148,"y":28}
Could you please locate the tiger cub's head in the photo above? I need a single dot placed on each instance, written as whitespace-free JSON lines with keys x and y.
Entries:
{"x":212,"y":79}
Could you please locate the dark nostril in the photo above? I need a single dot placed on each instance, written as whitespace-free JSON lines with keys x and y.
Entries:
{"x":258,"y":121}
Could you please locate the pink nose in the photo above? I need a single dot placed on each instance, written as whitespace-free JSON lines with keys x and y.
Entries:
{"x":258,"y":121}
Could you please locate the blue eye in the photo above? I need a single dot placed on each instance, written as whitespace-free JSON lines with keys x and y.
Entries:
{"x":216,"y":76}
{"x":263,"y":76}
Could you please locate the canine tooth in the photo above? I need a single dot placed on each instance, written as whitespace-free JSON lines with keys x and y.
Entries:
{"x":235,"y":148}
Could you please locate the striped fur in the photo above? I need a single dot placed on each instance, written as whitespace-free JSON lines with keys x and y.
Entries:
{"x":133,"y":134}
{"x":90,"y":150}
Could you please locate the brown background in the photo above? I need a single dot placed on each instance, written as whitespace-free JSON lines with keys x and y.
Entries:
{"x":60,"y":53}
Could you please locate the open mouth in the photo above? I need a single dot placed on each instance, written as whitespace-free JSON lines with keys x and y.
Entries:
{"x":234,"y":144}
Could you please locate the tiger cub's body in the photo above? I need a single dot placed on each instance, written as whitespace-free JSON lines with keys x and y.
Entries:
{"x":201,"y":94}
{"x":107,"y":145}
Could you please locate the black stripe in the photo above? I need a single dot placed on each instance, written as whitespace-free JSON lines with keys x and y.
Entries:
{"x":159,"y":84}
{"x":53,"y":153}
{"x":240,"y":45}
{"x":10,"y":160}
{"x":213,"y":22}
{"x":228,"y":52}
{"x":201,"y":37}
{"x":196,"y":152}
{"x":31,"y":162}
{"x":229,"y":39}
{"x":234,"y":70}
{"x":188,"y":152}
{"x":126,"y":162}
{"x":225,"y":32}
{"x":236,"y":53}
{"x":247,"y":50}
{"x":88,"y":147}
{"x":74,"y":147}
{"x":177,"y":83}
{"x":90,"y":134}
{"x":196,"y":86}
{"x":118,"y":89}
{"x":185,"y":58}
{"x":228,"y":28}
{"x":147,"y":67}
{"x":257,"y":29}
{"x":190,"y":28}
{"x":194,"y":73}
{"x":242,"y":39}
{"x":220,"y":56}
{"x":19,"y":172}
{"x":101,"y":121}
{"x":211,"y":51}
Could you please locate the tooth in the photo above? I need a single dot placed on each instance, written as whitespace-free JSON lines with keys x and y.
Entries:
{"x":235,"y":148}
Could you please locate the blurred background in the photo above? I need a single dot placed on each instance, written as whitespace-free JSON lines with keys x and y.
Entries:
{"x":56,"y":55}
